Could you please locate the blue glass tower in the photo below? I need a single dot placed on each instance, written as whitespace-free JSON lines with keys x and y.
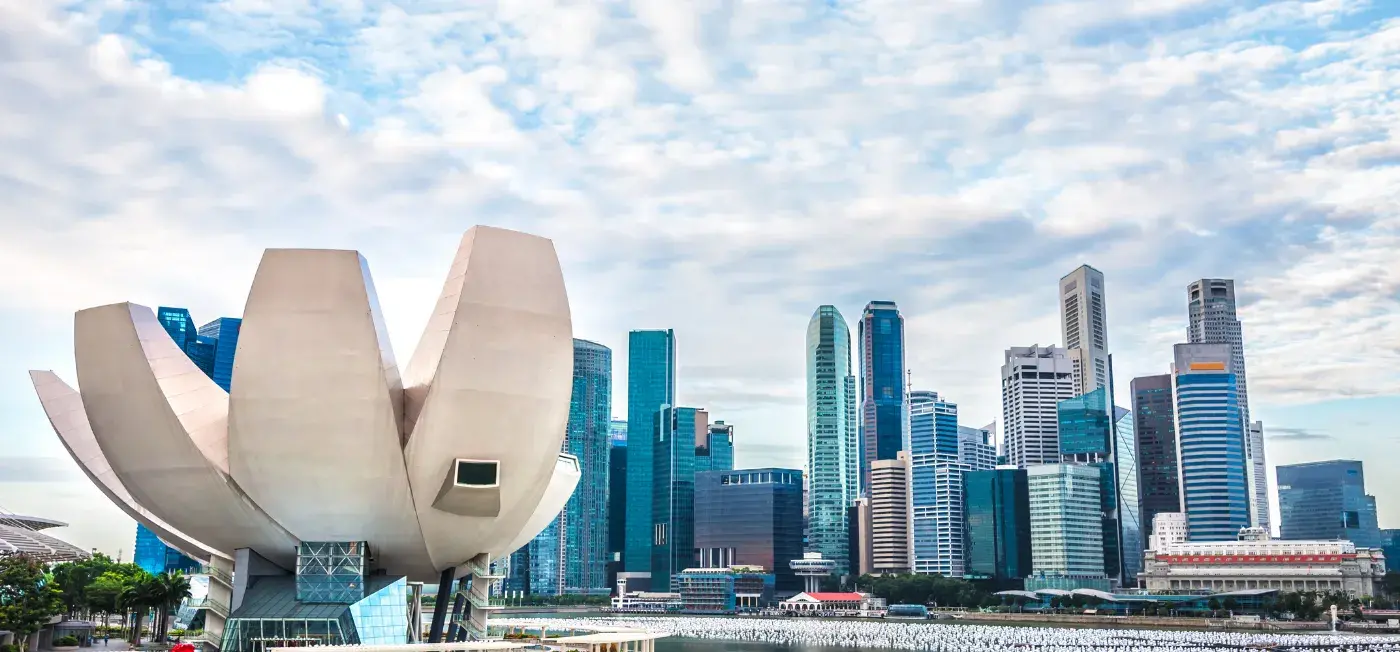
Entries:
{"x":882,"y":388}
{"x":1095,"y":434}
{"x":617,"y":497}
{"x":833,"y":456}
{"x":936,"y":485}
{"x":153,"y":556}
{"x":716,"y":453}
{"x":1210,"y":442}
{"x":651,"y":385}
{"x":673,"y":493}
{"x":750,"y":517}
{"x":997,"y":516}
{"x":223,"y":333}
{"x":584,"y":520}
{"x":1326,"y":501}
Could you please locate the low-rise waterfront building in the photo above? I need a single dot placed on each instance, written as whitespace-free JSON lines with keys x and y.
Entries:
{"x":839,"y":604}
{"x":724,"y":590}
{"x":1259,"y":562}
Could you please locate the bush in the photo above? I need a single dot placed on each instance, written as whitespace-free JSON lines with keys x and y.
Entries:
{"x":66,"y":641}
{"x":9,"y":647}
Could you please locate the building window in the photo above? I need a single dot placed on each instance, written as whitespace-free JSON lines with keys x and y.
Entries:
{"x":476,"y":473}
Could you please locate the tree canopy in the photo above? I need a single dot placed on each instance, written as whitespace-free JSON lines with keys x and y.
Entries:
{"x":28,"y":595}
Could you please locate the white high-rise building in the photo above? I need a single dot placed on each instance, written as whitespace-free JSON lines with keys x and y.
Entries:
{"x":1213,"y":320}
{"x":832,"y":453}
{"x":1034,"y":379}
{"x":1085,"y":324}
{"x":976,"y":448}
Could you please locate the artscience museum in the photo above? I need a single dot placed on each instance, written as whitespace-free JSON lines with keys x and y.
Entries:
{"x":326,"y":486}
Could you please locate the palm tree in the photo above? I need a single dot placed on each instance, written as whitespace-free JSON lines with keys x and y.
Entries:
{"x":168,"y":590}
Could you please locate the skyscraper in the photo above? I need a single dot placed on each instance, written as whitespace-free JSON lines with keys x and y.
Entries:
{"x":1085,"y":324}
{"x":1210,"y":442}
{"x":1066,"y":526}
{"x":1034,"y":379}
{"x":976,"y":447}
{"x":617,"y":497}
{"x":584,"y":521}
{"x":154,"y":557}
{"x":882,"y":408}
{"x":1213,"y":320}
{"x":936,"y":492}
{"x":889,"y":515}
{"x":1092,"y":434}
{"x":1155,"y":424}
{"x":673,"y":491}
{"x":832,"y":455}
{"x":1128,"y":495}
{"x":750,"y":517}
{"x":1322,"y":501}
{"x":651,"y":385}
{"x":716,"y":452}
{"x":223,"y":333}
{"x":997,"y":514}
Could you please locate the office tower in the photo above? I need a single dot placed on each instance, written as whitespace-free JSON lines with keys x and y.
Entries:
{"x":976,"y":447}
{"x":832,"y":456}
{"x":1209,"y":442}
{"x":997,"y":516}
{"x":1092,"y":435}
{"x":889,"y":515}
{"x":1213,"y":320}
{"x":716,"y":452}
{"x":861,"y":549}
{"x":542,"y":562}
{"x":1322,"y":501}
{"x":673,"y":491}
{"x":223,"y":333}
{"x":1155,"y":423}
{"x":617,"y":497}
{"x":1390,"y":547}
{"x":1085,"y":325}
{"x":584,"y":520}
{"x":154,"y":557}
{"x":750,"y":517}
{"x":936,"y":468}
{"x":179,"y":325}
{"x":1066,"y":525}
{"x":882,"y":391}
{"x":651,"y":385}
{"x":1034,"y":379}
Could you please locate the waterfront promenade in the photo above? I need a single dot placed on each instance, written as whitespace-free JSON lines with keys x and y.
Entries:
{"x":966,"y":637}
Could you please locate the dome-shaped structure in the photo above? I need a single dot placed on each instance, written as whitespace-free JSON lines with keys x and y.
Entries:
{"x":320,"y":438}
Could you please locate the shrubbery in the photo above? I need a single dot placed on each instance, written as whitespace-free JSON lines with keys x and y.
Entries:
{"x":66,"y":641}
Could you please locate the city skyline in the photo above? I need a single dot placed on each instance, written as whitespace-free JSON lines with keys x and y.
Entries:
{"x":700,"y":176}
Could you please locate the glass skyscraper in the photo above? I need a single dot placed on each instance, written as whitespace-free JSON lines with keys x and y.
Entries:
{"x":1154,"y":420}
{"x":1093,"y":434}
{"x":617,"y":496}
{"x":584,"y":521}
{"x":750,"y":517}
{"x":223,"y":332}
{"x":673,"y":492}
{"x":832,"y":453}
{"x":936,"y":491}
{"x":651,"y":385}
{"x":997,"y":516}
{"x":153,"y":556}
{"x":1210,"y":443}
{"x":882,"y":391}
{"x":1326,"y":501}
{"x":1066,"y":511}
{"x":716,"y":453}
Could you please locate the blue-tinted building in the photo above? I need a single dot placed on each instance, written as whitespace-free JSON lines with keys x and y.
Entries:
{"x":673,"y":491}
{"x":1129,"y":515}
{"x":1154,"y":423}
{"x":1323,"y":501}
{"x":716,"y":453}
{"x":833,"y":454}
{"x":585,"y":517}
{"x":543,"y":561}
{"x":1096,"y":434}
{"x":723,"y":590}
{"x":750,"y":517}
{"x":651,"y":385}
{"x":1210,"y":442}
{"x":223,"y":334}
{"x":997,"y":518}
{"x":617,"y":497}
{"x":153,"y":556}
{"x":1390,"y":546}
{"x":883,"y":412}
{"x":936,"y":485}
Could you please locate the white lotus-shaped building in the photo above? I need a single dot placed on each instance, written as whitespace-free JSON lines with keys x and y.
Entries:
{"x":321,"y":438}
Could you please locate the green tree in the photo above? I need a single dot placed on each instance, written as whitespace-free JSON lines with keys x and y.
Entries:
{"x":168,"y":590}
{"x":28,"y":596}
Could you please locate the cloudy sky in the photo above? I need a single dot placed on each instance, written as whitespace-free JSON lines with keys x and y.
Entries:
{"x":722,"y":167}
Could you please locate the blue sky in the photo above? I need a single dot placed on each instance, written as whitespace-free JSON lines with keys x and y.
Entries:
{"x":722,"y":168}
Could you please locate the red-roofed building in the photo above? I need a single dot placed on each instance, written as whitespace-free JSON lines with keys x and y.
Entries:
{"x":834,"y":603}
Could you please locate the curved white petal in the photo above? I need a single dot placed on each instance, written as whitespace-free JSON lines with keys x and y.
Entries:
{"x":490,"y":380}
{"x":314,"y":418}
{"x":162,"y":425}
{"x":64,"y":407}
{"x":556,"y":496}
